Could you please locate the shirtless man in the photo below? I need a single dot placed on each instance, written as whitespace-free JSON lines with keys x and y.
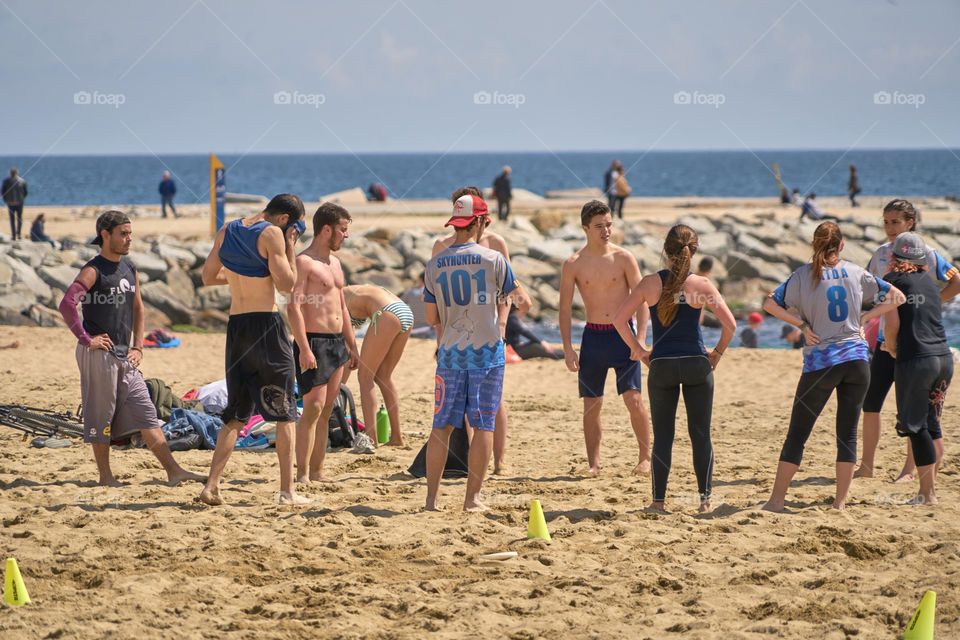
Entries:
{"x":255,"y":256}
{"x":324,"y":336}
{"x":519,"y":297}
{"x":605,"y":274}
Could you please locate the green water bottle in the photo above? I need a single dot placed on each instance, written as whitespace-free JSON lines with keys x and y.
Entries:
{"x":383,"y":425}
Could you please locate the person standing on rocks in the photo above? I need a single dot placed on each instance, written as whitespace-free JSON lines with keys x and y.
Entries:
{"x":14,"y":190}
{"x":605,"y":274}
{"x":167,"y":189}
{"x":503,"y":193}
{"x":609,"y":182}
{"x":465,"y":286}
{"x":853,"y":186}
{"x":519,"y":297}
{"x":899,"y":216}
{"x":255,"y":256}
{"x":115,"y":399}
{"x":324,"y":340}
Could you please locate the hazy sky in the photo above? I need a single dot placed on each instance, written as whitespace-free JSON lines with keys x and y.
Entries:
{"x":186,"y":76}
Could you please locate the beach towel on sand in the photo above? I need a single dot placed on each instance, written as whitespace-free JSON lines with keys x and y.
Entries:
{"x":196,"y":430}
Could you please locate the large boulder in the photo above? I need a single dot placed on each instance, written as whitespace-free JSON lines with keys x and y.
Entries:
{"x":17,"y":299}
{"x":44,"y":317}
{"x":32,"y":253}
{"x":181,"y":284}
{"x":177,"y":255}
{"x":647,"y":259}
{"x":25,"y":275}
{"x":716,"y":244}
{"x":153,"y":266}
{"x":200,"y":249}
{"x":60,"y":277}
{"x":214,"y":297}
{"x":6,"y":274}
{"x":385,"y":279}
{"x":740,"y":265}
{"x":555,"y":251}
{"x":702,"y":225}
{"x":567,"y":232}
{"x":748,"y":244}
{"x":153,"y":318}
{"x":383,"y":254}
{"x":526,"y":268}
{"x":161,"y":296}
{"x":748,"y":294}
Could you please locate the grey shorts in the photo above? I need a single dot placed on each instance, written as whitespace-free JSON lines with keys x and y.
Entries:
{"x":115,"y":399}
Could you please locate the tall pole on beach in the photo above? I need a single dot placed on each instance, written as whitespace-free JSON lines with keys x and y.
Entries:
{"x":218,"y":193}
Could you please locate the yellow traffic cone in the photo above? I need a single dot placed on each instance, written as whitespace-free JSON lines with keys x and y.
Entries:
{"x":14,"y":592}
{"x":921,"y":624}
{"x":538,"y":524}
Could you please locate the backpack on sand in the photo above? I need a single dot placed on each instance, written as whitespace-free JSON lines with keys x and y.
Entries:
{"x":342,"y":431}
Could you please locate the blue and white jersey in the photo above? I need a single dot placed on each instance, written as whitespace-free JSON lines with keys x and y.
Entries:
{"x":831,"y":306}
{"x":465,"y":282}
{"x":937,"y":265}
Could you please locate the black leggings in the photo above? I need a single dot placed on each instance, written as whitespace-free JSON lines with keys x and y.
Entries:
{"x":922,"y":384}
{"x":667,"y":376}
{"x":537,"y":350}
{"x":851,"y":380}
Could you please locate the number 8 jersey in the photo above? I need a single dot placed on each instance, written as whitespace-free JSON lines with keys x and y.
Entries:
{"x":465,"y":282}
{"x":832,"y":308}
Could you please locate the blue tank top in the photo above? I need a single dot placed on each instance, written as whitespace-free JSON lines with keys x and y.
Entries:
{"x":680,"y":338}
{"x":238,"y":252}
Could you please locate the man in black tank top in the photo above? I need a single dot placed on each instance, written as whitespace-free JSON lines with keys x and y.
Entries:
{"x":115,"y":398}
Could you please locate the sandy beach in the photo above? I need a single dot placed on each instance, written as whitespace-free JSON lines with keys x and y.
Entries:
{"x":364,"y":561}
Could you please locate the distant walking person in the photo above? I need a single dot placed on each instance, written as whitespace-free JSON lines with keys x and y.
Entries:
{"x":14,"y":191}
{"x":609,"y":180}
{"x":853,"y":186}
{"x":503,"y":193}
{"x":37,"y":234}
{"x":622,"y":190}
{"x":167,"y":189}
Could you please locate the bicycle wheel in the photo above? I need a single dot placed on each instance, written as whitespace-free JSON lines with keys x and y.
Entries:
{"x":48,"y":422}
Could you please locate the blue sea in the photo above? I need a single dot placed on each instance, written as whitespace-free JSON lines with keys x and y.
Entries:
{"x":119,"y":180}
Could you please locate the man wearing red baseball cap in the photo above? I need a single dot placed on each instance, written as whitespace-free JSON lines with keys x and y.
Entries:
{"x":463,"y":290}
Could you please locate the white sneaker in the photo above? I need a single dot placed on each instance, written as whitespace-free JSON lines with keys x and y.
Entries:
{"x":363,"y":444}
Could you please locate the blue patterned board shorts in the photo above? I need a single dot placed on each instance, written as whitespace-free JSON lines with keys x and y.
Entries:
{"x":474,"y":392}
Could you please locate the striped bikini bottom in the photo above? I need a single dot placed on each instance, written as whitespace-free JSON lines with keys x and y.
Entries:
{"x":399,"y":309}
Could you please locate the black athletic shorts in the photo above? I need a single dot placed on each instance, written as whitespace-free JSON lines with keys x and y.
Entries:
{"x":331,"y":353}
{"x":260,"y":368}
{"x":921,"y":389}
{"x":881,"y":379}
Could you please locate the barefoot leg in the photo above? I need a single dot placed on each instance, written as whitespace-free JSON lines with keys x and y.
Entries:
{"x":592,"y":432}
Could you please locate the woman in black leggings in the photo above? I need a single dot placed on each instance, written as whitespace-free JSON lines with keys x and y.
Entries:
{"x":914,"y":336}
{"x":828,"y":292}
{"x":678,"y":360}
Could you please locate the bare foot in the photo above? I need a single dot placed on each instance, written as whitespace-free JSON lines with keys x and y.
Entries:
{"x":394,"y":443}
{"x":863,"y":472}
{"x":593,"y":471}
{"x":922,"y":499}
{"x":293,"y":497}
{"x":776,"y":506}
{"x":432,"y":506}
{"x":839,"y":506}
{"x":474,"y":505}
{"x":211,"y":497}
{"x":704,"y":506}
{"x":111,"y":482}
{"x":184,"y":476}
{"x":642,"y":468}
{"x":499,"y":471}
{"x":905,"y":476}
{"x":319,"y":477}
{"x":657,"y":506}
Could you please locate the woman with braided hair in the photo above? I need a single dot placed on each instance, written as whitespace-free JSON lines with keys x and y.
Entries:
{"x":678,"y":360}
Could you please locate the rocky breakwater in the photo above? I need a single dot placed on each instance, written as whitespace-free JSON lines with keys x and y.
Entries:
{"x":752,"y":255}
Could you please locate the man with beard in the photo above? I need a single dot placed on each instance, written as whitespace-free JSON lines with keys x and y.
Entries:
{"x":324,"y":338}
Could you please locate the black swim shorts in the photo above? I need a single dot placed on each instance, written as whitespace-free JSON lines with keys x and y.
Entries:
{"x":331,"y":353}
{"x":260,"y":368}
